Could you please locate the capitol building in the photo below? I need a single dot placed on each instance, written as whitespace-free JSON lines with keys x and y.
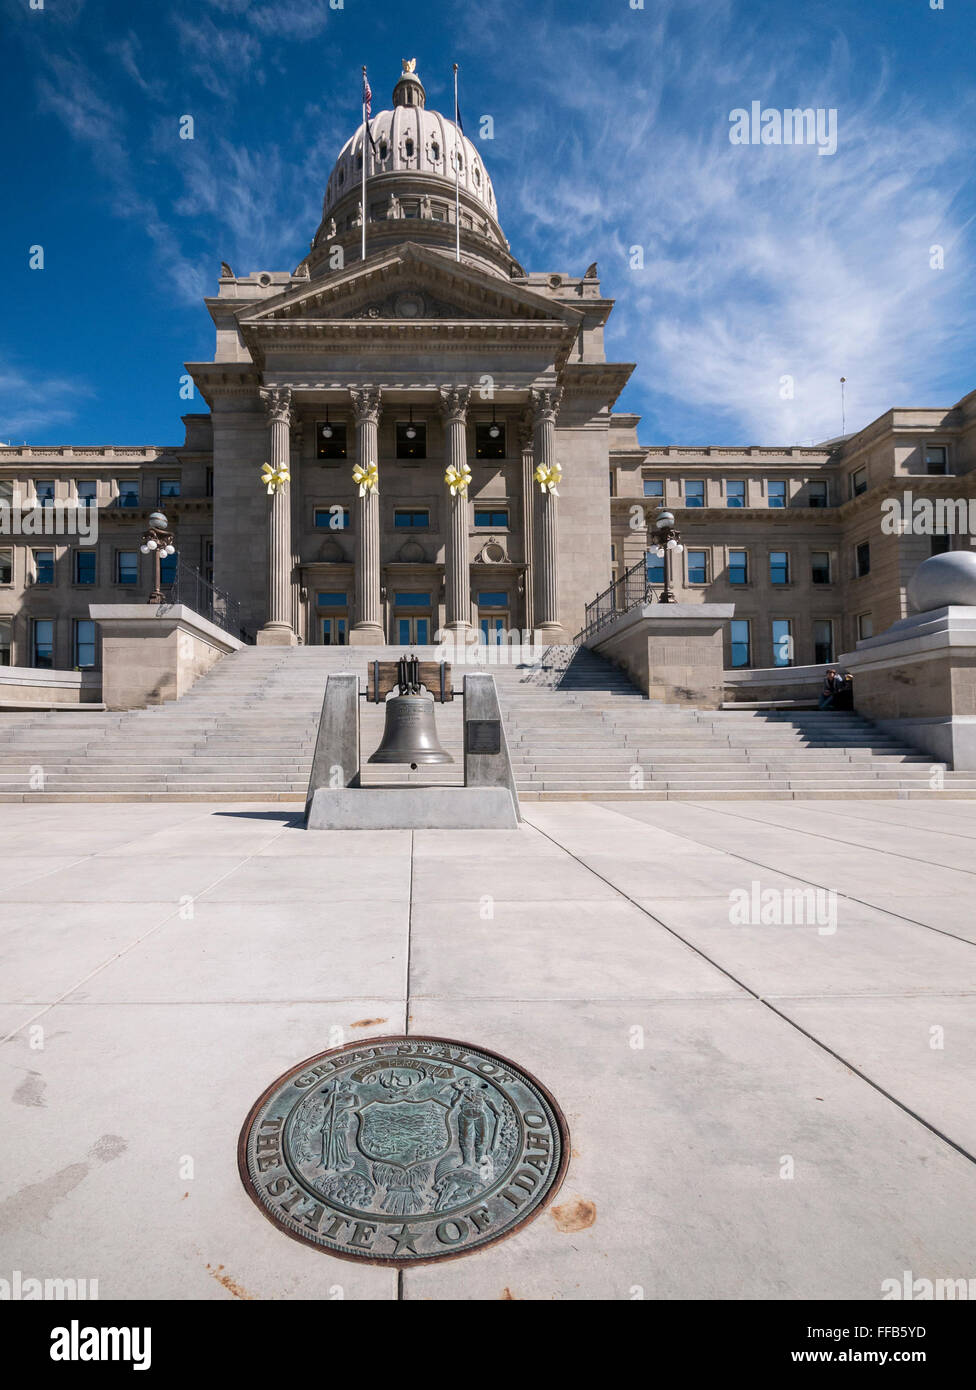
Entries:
{"x":445,"y":455}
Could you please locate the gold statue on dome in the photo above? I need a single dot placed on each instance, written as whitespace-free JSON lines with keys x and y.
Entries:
{"x":409,"y":65}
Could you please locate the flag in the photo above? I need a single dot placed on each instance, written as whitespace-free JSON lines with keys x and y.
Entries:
{"x":368,"y":109}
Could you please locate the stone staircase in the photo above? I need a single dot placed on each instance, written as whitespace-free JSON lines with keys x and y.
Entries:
{"x":576,"y":728}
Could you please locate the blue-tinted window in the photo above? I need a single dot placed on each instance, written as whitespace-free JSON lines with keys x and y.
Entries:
{"x":782,"y":642}
{"x":697,"y":566}
{"x":128,"y":494}
{"x":84,"y":643}
{"x":127,"y":567}
{"x":694,"y":493}
{"x":406,"y":520}
{"x":735,"y":493}
{"x":410,"y":599}
{"x":43,"y":643}
{"x":493,"y":599}
{"x":776,"y":494}
{"x":332,"y":519}
{"x":43,"y":566}
{"x":487,"y":516}
{"x":779,"y":567}
{"x":655,"y":568}
{"x":653,"y":487}
{"x":167,"y":569}
{"x":739,"y":632}
{"x":44,"y":493}
{"x":331,"y":600}
{"x":84,"y":567}
{"x":738,"y":567}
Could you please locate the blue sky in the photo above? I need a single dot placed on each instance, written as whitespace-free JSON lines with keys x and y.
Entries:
{"x":611,"y":131}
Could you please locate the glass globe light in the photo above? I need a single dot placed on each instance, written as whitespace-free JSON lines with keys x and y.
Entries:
{"x":326,"y":431}
{"x":672,"y":545}
{"x":158,"y":520}
{"x":494,"y":432}
{"x":144,"y":549}
{"x":664,"y":520}
{"x":151,"y":545}
{"x":678,"y":549}
{"x":411,"y":432}
{"x":170,"y":550}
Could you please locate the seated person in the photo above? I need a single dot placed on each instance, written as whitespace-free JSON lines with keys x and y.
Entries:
{"x":834,"y":685}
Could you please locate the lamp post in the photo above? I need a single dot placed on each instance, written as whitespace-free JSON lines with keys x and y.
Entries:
{"x":157,"y":541}
{"x":668,"y":545}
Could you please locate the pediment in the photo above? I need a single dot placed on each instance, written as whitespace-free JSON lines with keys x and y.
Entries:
{"x":412,"y":284}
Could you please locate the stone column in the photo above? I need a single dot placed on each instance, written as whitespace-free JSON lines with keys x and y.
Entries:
{"x":545,"y":407}
{"x":367,"y":630}
{"x":528,"y":520}
{"x":454,"y":407}
{"x":278,"y":630}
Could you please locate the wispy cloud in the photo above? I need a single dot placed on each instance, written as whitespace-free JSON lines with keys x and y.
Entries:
{"x":32,"y":405}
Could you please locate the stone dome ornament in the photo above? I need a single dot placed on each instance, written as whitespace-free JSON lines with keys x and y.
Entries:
{"x":944,"y":581}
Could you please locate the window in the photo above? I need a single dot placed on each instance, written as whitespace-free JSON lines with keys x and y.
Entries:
{"x":42,"y":643}
{"x":408,"y":147}
{"x":167,"y":570}
{"x":410,"y":599}
{"x":738,"y":567}
{"x":820,"y":567}
{"x":404,"y":520}
{"x":655,"y":568}
{"x":697,"y":566}
{"x":782,"y":642}
{"x":495,"y":517}
{"x":435,"y":151}
{"x":654,"y":487}
{"x":168,"y":487}
{"x":88,"y":493}
{"x":208,"y":485}
{"x":84,"y":567}
{"x":493,"y":599}
{"x":735,"y":493}
{"x":739,"y":633}
{"x":779,"y":567}
{"x":384,"y":150}
{"x":6,"y":491}
{"x":938,"y":545}
{"x":823,"y":641}
{"x":330,"y":440}
{"x":44,"y":492}
{"x":694,"y":493}
{"x":127,"y":567}
{"x":6,"y":566}
{"x":936,"y":458}
{"x":128,"y":494}
{"x":332,"y":518}
{"x":84,"y":644}
{"x":411,"y":440}
{"x":6,"y":630}
{"x":776,"y":493}
{"x":862,"y":559}
{"x":489,"y":440}
{"x":817,"y":494}
{"x":43,"y":566}
{"x":331,"y":599}
{"x":865,"y":626}
{"x":859,"y":481}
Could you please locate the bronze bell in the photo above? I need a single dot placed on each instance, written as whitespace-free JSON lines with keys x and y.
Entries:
{"x":410,"y":735}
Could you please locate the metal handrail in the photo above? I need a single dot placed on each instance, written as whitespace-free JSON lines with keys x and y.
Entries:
{"x":191,"y":588}
{"x":629,"y":591}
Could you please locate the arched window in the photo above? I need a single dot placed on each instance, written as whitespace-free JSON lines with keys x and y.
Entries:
{"x":435,"y":151}
{"x":408,"y":147}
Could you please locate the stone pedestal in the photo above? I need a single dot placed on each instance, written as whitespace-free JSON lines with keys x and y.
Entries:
{"x":278,"y":631}
{"x":674,"y":652}
{"x":918,"y":682}
{"x":367,"y":631}
{"x":154,"y":653}
{"x":335,"y":762}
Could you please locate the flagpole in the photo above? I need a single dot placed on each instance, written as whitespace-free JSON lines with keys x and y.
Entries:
{"x":364,"y":163}
{"x":457,"y":173}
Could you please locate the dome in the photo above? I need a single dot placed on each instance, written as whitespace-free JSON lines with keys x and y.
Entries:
{"x":411,"y":185}
{"x":412,"y":140}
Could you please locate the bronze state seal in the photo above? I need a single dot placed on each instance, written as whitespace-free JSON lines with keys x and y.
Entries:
{"x":403,"y":1150}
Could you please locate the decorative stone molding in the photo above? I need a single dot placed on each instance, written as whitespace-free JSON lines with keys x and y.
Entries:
{"x":545,"y":405}
{"x":454,"y":403}
{"x":366,"y":405}
{"x":277,"y":404}
{"x":493,"y":552}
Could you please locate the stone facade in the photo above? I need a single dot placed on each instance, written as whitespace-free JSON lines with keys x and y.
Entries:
{"x":440,"y":349}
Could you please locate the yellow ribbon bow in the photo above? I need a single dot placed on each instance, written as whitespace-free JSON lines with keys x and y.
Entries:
{"x":275,"y":478}
{"x":547,"y":478}
{"x":367,"y":478}
{"x":457,"y":479}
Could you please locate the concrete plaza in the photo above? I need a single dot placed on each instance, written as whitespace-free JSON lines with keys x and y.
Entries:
{"x":757,"y":1110}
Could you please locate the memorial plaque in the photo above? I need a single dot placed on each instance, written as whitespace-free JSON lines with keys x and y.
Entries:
{"x":403,"y":1150}
{"x":483,"y":736}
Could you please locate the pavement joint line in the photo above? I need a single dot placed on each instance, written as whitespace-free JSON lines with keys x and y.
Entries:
{"x":849,"y":897}
{"x":791,"y":1022}
{"x":818,"y":808}
{"x":119,"y":954}
{"x":834,"y":839}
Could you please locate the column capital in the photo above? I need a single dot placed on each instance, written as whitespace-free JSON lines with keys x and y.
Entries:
{"x":454,"y":403}
{"x":366,"y":404}
{"x":523,"y":426}
{"x":545,"y":405}
{"x":277,"y":403}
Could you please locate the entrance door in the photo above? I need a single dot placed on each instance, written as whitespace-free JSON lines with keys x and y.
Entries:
{"x":493,"y":616}
{"x":413,"y":632}
{"x":335,"y":632}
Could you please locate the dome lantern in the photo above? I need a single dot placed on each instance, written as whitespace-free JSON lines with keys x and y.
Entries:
{"x":409,"y":91}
